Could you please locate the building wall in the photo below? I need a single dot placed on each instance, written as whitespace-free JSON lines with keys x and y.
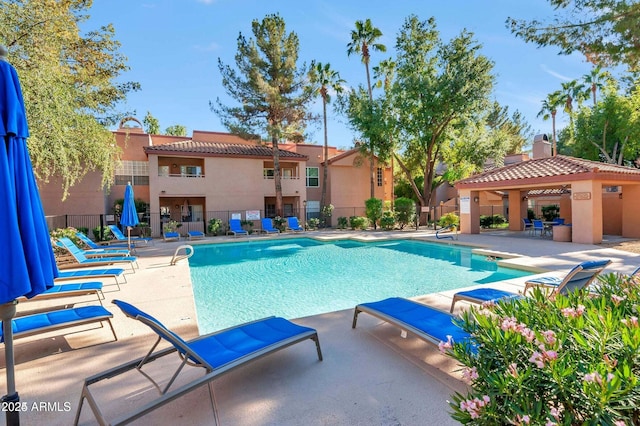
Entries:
{"x":86,"y":196}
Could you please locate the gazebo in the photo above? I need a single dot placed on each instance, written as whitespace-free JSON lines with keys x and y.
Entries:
{"x":587,"y":204}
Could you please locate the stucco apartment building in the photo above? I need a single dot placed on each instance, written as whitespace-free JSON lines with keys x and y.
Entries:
{"x":219,"y":175}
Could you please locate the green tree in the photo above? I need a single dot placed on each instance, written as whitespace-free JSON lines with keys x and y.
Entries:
{"x":440,"y":89}
{"x":69,"y":85}
{"x":152,"y":125}
{"x":327,"y":80}
{"x":549,"y":109}
{"x":176,"y":130}
{"x":610,"y":131}
{"x":364,"y":39}
{"x":605,"y":31}
{"x":273,"y":92}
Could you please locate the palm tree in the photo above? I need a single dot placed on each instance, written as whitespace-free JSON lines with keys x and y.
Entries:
{"x":572,"y":91}
{"x":549,"y":109}
{"x":596,"y":80}
{"x":328,"y":79}
{"x":363,"y":39}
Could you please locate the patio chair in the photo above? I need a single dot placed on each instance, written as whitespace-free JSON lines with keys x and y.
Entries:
{"x":195,"y":235}
{"x":267,"y":226}
{"x":293,"y":224}
{"x":95,"y":247}
{"x":218,"y":353}
{"x":121,"y":238}
{"x":235,"y":228}
{"x":68,"y":290}
{"x":528,"y":225}
{"x":425,"y":322}
{"x":83,"y":260}
{"x":89,"y":274}
{"x":579,"y":277}
{"x":171,"y":236}
{"x":538,"y":226}
{"x":44,"y":322}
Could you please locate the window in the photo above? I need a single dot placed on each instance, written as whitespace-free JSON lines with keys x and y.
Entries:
{"x":380,"y":176}
{"x":163,"y":171}
{"x":191,"y":171}
{"x":312,"y":177}
{"x":136,"y":172}
{"x":267,"y":173}
{"x":270,"y":210}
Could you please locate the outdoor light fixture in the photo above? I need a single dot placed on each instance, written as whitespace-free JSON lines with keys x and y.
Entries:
{"x":476,"y":199}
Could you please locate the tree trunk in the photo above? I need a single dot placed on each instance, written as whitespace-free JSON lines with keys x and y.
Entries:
{"x":553,"y":125}
{"x":325,"y":170}
{"x":276,"y":176}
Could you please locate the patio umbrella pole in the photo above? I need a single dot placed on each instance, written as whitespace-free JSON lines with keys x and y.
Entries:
{"x":11,"y":400}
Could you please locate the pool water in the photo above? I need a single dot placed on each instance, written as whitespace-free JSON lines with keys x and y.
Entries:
{"x":292,"y":278}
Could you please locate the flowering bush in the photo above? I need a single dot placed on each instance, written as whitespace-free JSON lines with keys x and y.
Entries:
{"x":70,"y":233}
{"x":569,"y":361}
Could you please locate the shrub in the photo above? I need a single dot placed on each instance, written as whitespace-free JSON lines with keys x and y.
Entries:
{"x":358,"y":222}
{"x":171,"y":226}
{"x":280,"y":223}
{"x":449,"y":219}
{"x":343,"y":222}
{"x":488,"y":221}
{"x":313,"y":223}
{"x":542,"y":361}
{"x":106,"y":234}
{"x":373,"y":208}
{"x":550,"y":212}
{"x":388,"y":221}
{"x":405,"y":211}
{"x":215,"y":227}
{"x":327,"y":211}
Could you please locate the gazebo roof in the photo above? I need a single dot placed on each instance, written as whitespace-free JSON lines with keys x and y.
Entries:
{"x":548,"y":171}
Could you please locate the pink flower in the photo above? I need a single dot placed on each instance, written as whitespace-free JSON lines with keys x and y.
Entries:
{"x":537,"y":359}
{"x":550,"y":423}
{"x":513,"y":370}
{"x":617,"y":299}
{"x":549,"y":337}
{"x":555,"y":413}
{"x":470,"y":373}
{"x":619,"y":423}
{"x":444,"y":346}
{"x":631,"y":322}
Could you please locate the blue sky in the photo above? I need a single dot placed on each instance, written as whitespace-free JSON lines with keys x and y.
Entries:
{"x":173,"y":46}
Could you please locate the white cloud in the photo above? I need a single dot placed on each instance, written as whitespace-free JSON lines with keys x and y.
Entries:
{"x":211,"y":47}
{"x":555,"y":74}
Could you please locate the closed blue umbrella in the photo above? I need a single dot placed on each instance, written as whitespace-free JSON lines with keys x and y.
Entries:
{"x":129,"y":216}
{"x":27,"y":263}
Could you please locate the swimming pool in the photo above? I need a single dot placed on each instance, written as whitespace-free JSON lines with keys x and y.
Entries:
{"x":292,"y":278}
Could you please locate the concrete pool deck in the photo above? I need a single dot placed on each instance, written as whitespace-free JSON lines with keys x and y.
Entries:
{"x":370,"y":375}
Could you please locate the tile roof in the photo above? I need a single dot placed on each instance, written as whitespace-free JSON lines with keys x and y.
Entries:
{"x":560,"y":167}
{"x":220,"y":149}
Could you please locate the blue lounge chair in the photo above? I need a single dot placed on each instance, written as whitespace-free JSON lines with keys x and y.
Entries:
{"x":121,"y":238}
{"x":427,"y":323}
{"x":85,"y":261}
{"x":101,"y":251}
{"x":579,"y":277}
{"x":93,"y":246}
{"x":171,"y":236}
{"x":292,"y":224}
{"x":217,"y":353}
{"x":267,"y":226}
{"x":69,"y":290}
{"x":55,"y":320}
{"x":90,"y":274}
{"x":195,"y":235}
{"x":235,"y":228}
